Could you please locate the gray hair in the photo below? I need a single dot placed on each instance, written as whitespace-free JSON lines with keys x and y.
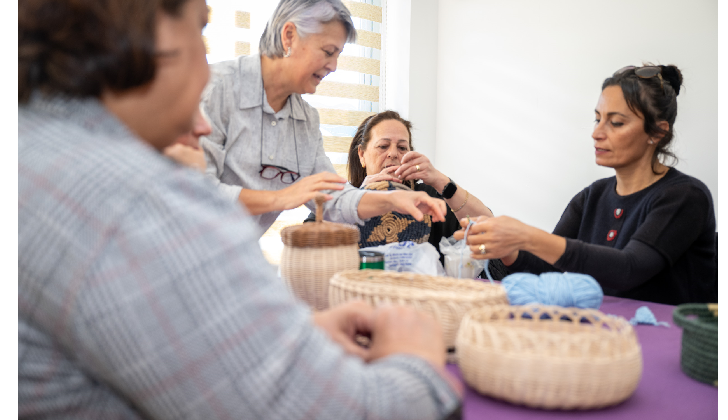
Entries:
{"x":307,"y":15}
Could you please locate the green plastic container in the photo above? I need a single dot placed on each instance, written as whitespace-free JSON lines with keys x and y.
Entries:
{"x":371,"y":260}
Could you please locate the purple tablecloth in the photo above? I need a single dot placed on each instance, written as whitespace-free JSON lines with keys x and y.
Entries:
{"x":664,"y":392}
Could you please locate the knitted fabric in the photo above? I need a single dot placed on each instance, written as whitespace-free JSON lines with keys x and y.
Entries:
{"x":393,"y":227}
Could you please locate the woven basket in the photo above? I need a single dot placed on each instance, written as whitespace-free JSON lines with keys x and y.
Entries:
{"x":699,"y":354}
{"x":313,"y":252}
{"x":446,"y":299}
{"x":575,"y":359}
{"x":393,"y":227}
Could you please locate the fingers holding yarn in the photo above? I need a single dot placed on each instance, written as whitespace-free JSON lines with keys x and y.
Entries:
{"x":409,"y":171}
{"x":384,"y":175}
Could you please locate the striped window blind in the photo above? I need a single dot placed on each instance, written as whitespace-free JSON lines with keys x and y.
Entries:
{"x":343,"y":99}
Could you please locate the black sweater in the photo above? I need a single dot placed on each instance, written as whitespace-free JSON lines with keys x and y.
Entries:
{"x":657,"y":244}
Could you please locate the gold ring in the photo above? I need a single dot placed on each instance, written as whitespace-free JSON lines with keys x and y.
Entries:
{"x":482,"y":249}
{"x":417,"y":167}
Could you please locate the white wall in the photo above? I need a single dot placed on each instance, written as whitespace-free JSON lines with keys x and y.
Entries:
{"x":517,"y":82}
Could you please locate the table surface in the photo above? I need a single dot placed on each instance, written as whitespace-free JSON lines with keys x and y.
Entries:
{"x":664,"y":391}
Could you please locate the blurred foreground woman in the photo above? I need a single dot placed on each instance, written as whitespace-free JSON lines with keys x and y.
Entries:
{"x":143,"y":294}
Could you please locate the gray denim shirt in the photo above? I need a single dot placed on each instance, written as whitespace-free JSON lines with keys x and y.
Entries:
{"x":246,"y":131}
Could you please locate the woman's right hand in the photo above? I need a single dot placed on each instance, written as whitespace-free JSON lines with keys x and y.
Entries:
{"x":385,"y":175}
{"x":502,"y":237}
{"x":308,"y":188}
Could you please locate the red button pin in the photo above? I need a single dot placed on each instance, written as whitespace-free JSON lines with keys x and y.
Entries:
{"x":618,"y":213}
{"x":611,"y":235}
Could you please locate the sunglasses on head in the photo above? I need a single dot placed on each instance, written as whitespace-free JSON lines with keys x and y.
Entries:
{"x":646,"y":72}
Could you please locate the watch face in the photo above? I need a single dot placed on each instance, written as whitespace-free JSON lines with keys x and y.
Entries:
{"x":449,"y":190}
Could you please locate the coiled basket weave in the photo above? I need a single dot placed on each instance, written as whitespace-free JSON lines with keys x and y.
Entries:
{"x":393,"y":226}
{"x":549,"y":357}
{"x":447,"y":299}
{"x":699,"y":353}
{"x":313,"y":252}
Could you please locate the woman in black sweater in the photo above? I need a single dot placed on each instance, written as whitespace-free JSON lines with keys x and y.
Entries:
{"x":647,"y":233}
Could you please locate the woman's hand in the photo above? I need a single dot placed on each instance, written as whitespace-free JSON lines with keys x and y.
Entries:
{"x":308,"y":188}
{"x":384,"y":175}
{"x":502,"y":237}
{"x":418,"y":203}
{"x":187,"y":155}
{"x":344,"y":322}
{"x":427,"y":173}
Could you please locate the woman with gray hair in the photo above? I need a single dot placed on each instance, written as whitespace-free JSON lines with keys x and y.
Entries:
{"x":266,"y":149}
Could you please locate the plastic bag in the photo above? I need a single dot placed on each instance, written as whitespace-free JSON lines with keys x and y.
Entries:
{"x":456,"y":252}
{"x":411,"y":257}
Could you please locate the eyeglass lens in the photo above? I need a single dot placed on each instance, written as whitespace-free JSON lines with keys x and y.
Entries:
{"x":271,"y":172}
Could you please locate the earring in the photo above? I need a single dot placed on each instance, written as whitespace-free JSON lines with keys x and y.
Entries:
{"x":288,"y":53}
{"x":650,"y":142}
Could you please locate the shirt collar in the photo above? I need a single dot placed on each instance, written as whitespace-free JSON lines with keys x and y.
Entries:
{"x":251,"y":87}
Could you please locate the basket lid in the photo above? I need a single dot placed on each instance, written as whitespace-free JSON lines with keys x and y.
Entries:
{"x":319,"y":233}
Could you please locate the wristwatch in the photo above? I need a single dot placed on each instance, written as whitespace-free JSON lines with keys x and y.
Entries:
{"x":449,"y":190}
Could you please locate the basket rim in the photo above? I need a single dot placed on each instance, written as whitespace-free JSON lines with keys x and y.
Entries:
{"x":466,"y":294}
{"x":679,"y":315}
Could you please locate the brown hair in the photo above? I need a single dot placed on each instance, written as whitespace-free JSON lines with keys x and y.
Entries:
{"x":79,"y":48}
{"x":656,"y":102}
{"x":361,"y":140}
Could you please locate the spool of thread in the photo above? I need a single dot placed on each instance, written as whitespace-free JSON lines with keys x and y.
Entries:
{"x":562,"y":289}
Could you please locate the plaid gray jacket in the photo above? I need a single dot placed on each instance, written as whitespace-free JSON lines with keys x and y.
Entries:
{"x":144,"y":294}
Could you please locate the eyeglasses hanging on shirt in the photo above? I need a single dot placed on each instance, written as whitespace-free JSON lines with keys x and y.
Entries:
{"x":270,"y":171}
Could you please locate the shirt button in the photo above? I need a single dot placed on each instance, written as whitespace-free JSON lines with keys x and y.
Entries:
{"x":271,"y":157}
{"x":273,"y":123}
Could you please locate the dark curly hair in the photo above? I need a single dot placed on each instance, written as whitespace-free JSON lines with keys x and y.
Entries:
{"x":361,"y":141}
{"x":79,"y":48}
{"x":655,"y":100}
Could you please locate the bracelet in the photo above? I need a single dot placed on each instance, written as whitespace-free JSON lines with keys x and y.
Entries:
{"x":467,"y":195}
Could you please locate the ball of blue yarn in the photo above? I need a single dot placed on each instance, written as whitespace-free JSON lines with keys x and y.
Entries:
{"x":562,"y":289}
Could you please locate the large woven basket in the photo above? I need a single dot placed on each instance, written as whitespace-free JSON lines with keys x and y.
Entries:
{"x":699,"y":354}
{"x":312,"y":253}
{"x":446,"y":299}
{"x":567,"y":359}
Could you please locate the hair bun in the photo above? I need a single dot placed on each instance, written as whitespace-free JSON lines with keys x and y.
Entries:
{"x":673,"y":75}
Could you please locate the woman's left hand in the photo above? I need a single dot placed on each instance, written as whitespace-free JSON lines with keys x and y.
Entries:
{"x":415,"y":165}
{"x":502,"y":237}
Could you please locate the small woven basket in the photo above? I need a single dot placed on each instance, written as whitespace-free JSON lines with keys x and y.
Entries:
{"x":446,"y":299}
{"x":549,"y":357}
{"x":313,"y":252}
{"x":393,"y":227}
{"x":699,"y":354}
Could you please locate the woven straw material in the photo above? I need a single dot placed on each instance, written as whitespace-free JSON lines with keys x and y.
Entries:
{"x":699,"y":353}
{"x":576,"y":359}
{"x":320,"y":234}
{"x":307,"y":270}
{"x":446,"y":299}
{"x":393,"y":226}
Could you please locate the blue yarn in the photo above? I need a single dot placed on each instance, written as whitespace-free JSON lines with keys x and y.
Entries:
{"x":562,"y":289}
{"x":645,"y":316}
